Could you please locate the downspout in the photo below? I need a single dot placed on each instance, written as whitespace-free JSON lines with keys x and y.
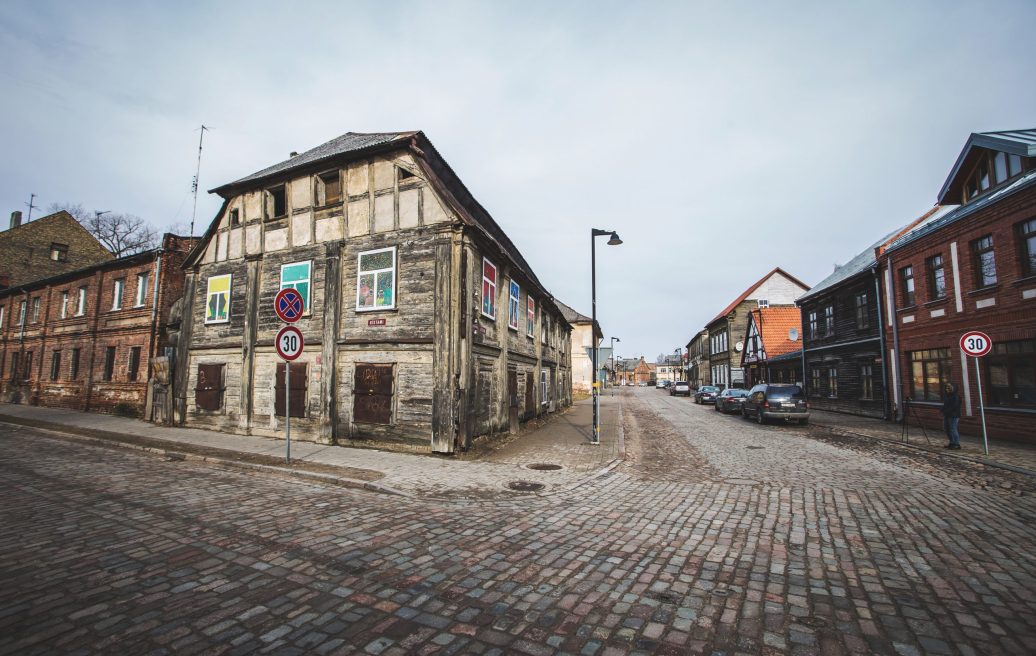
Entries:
{"x":152,"y":350}
{"x":895,"y":334}
{"x":875,"y":271}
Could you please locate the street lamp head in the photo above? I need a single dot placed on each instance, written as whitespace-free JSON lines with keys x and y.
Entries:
{"x":614,"y":241}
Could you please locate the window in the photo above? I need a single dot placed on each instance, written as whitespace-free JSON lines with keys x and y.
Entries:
{"x":235,"y":217}
{"x":866,"y":382}
{"x":530,"y":317}
{"x":36,"y":309}
{"x":764,"y":303}
{"x":906,"y":276}
{"x":812,"y":319}
{"x":2,"y":326}
{"x":14,"y":365}
{"x":63,"y":310}
{"x":863,"y":313}
{"x":544,"y":327}
{"x":1027,"y":238}
{"x":217,"y":299}
{"x":372,"y":393}
{"x":832,"y":382}
{"x":109,"y":363}
{"x":1011,"y":372}
{"x":120,"y":285}
{"x":488,"y":289}
{"x":208,"y":390}
{"x":403,"y":174}
{"x":984,"y":261}
{"x":376,"y":280}
{"x":544,"y":387}
{"x":992,"y":169}
{"x":829,"y":321}
{"x":296,"y":276}
{"x":930,"y":371}
{"x":27,"y":373}
{"x":81,"y":302}
{"x":134,"y":363}
{"x":55,"y":365}
{"x":73,"y":369}
{"x":814,"y":381}
{"x":513,"y":296}
{"x":21,"y":313}
{"x":329,"y":188}
{"x":936,"y":278}
{"x":142,"y":280}
{"x":59,"y":252}
{"x":276,"y":204}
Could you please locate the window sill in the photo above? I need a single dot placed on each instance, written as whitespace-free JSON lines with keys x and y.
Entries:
{"x":907,"y":308}
{"x":1027,"y":280}
{"x":372,"y":310}
{"x":939,"y":301}
{"x":982,"y":291}
{"x":326,"y":206}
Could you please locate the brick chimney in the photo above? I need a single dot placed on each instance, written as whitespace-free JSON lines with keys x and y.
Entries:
{"x":16,"y":219}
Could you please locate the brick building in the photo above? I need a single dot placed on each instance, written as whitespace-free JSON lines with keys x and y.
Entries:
{"x":423,"y":323}
{"x":84,"y":339}
{"x":973,"y":267}
{"x":46,"y":247}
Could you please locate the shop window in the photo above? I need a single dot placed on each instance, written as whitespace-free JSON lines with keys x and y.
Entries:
{"x":930,"y":372}
{"x":376,"y":280}
{"x":372,"y":393}
{"x":297,"y":276}
{"x":208,"y":391}
{"x":1011,"y":372}
{"x":217,"y":299}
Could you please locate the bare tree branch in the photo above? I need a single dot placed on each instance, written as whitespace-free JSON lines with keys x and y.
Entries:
{"x":122,"y":234}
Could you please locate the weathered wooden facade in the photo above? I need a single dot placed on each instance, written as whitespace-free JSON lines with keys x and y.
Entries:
{"x":423,"y":323}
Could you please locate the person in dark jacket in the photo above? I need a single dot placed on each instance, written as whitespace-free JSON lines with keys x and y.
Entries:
{"x":951,"y":415}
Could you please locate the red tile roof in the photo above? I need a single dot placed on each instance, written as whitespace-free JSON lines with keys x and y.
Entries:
{"x":730,"y":308}
{"x":775,"y":324}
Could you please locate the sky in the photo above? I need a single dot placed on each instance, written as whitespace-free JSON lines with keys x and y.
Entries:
{"x":719,"y":139}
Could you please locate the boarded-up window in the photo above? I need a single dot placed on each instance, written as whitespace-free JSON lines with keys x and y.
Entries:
{"x":372,"y":394}
{"x":297,"y":389}
{"x":208,"y":393}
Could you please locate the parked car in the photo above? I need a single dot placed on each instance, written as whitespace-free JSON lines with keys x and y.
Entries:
{"x":767,"y":402}
{"x":731,"y":399}
{"x":680,"y":388}
{"x":706,"y":394}
{"x":662,"y":384}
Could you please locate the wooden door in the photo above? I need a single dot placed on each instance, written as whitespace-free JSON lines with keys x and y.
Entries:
{"x":530,"y":394}
{"x":512,"y":400}
{"x":208,"y":392}
{"x":372,"y":394}
{"x":297,"y":389}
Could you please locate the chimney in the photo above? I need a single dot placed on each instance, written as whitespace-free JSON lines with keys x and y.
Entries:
{"x":16,"y":219}
{"x":293,"y":154}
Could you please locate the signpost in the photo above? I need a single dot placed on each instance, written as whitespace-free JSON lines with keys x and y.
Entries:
{"x":976,"y":345}
{"x":288,"y":305}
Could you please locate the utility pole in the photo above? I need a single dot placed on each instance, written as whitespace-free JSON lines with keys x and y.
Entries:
{"x":197,"y":173}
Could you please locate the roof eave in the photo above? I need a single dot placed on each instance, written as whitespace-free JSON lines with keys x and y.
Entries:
{"x":983,"y":140}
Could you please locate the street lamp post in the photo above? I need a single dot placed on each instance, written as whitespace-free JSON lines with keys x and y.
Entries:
{"x":612,"y":351}
{"x":679,"y":363}
{"x":612,"y":241}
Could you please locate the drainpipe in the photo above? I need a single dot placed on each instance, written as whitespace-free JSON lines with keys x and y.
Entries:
{"x":152,"y":350}
{"x":876,"y":272}
{"x":895,"y":335}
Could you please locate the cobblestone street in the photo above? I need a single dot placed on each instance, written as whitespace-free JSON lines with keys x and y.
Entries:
{"x":715,"y":535}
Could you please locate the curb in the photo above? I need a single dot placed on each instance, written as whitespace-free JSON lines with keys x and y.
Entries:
{"x":175,"y":451}
{"x":988,"y":463}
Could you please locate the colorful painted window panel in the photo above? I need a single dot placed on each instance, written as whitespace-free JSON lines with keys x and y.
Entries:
{"x":488,"y":289}
{"x":513,"y":305}
{"x":217,"y":304}
{"x":296,"y":276}
{"x":376,"y":280}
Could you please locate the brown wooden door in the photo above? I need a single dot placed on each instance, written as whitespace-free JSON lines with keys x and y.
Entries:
{"x":530,"y":393}
{"x":372,"y":394}
{"x":297,"y":389}
{"x":512,"y":400}
{"x":209,"y":390}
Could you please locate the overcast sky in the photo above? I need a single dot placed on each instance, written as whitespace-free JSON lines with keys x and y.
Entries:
{"x":719,"y":139}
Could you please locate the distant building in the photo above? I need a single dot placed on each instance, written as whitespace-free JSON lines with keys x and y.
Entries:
{"x":46,"y":247}
{"x":670,"y":369}
{"x":698,"y":372}
{"x":772,"y":346}
{"x":584,"y":337}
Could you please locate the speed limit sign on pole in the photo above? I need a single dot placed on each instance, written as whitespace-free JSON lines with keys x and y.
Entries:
{"x":977,"y":344}
{"x":289,"y":345}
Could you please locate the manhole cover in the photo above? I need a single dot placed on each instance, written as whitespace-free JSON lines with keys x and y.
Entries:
{"x":543,"y":466}
{"x":524,"y":486}
{"x":719,"y":591}
{"x":814,"y":622}
{"x":755,"y":447}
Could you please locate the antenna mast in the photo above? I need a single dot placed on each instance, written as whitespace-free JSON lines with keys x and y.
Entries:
{"x":197,"y":173}
{"x":32,"y":197}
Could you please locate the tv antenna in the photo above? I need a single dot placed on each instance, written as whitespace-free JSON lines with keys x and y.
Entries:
{"x":31,"y":205}
{"x":197,"y":173}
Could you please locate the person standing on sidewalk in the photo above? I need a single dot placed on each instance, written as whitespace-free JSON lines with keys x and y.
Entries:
{"x":951,"y":415}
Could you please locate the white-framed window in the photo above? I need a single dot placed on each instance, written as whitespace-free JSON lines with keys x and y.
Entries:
{"x":142,"y":281}
{"x":376,"y":280}
{"x":81,"y":302}
{"x":530,"y":318}
{"x":2,"y":326}
{"x":513,"y":296}
{"x":21,"y":313}
{"x":63,"y":311}
{"x":488,"y":289}
{"x":544,"y":387}
{"x":217,"y":299}
{"x":36,"y":309}
{"x":297,"y":276}
{"x":119,"y":287}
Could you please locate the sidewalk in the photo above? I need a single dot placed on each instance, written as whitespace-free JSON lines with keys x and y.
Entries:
{"x":1012,"y":455}
{"x":563,"y":440}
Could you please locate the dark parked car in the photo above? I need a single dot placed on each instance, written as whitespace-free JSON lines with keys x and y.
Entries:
{"x":730,"y":400}
{"x":768,"y":401}
{"x":680,"y":388}
{"x":706,"y":394}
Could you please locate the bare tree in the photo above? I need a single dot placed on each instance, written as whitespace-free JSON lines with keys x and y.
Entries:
{"x":122,"y":234}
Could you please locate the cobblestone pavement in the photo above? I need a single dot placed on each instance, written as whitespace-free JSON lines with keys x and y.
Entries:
{"x":700,"y":542}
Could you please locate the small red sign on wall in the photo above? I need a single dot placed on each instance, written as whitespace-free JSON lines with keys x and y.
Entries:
{"x":375,"y":322}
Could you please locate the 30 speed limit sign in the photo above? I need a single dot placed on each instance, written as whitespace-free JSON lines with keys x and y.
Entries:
{"x":289,"y":343}
{"x":975,"y":344}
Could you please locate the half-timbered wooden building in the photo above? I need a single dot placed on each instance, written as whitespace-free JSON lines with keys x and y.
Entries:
{"x":423,"y":324}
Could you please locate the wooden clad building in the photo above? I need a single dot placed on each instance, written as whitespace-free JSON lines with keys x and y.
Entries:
{"x":423,"y":323}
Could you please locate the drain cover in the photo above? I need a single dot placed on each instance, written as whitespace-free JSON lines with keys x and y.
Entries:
{"x":814,"y":622}
{"x":524,"y":486}
{"x":720,"y":591}
{"x":543,"y":466}
{"x":755,"y":447}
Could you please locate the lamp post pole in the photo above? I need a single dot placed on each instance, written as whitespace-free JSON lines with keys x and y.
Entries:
{"x":612,"y":350}
{"x":613,"y":241}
